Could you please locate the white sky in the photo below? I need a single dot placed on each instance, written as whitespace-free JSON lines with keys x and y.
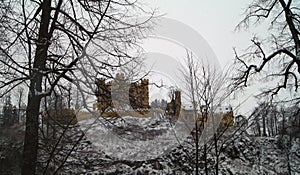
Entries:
{"x":215,"y":21}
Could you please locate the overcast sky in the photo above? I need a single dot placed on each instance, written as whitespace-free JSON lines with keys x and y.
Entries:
{"x":215,"y":21}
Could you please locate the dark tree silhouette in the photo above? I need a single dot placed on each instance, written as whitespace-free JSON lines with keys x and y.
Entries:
{"x":48,"y":43}
{"x":280,"y":51}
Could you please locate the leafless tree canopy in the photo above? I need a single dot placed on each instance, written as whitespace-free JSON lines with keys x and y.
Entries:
{"x":277,"y":56}
{"x":211,"y":86}
{"x":98,"y":34}
{"x":206,"y":87}
{"x":45,"y":44}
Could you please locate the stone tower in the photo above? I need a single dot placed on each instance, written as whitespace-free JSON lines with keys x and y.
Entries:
{"x":174,"y":107}
{"x":103,"y":94}
{"x":138,"y":93}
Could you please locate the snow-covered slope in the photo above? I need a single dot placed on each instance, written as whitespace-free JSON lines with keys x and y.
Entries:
{"x":154,"y":146}
{"x":240,"y":154}
{"x":131,"y":138}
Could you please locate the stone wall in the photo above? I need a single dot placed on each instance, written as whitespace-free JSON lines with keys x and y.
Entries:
{"x":138,"y":93}
{"x":103,"y":94}
{"x":174,"y":106}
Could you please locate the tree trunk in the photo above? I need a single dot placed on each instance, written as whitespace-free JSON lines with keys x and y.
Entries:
{"x":275,"y":123}
{"x":288,"y":164}
{"x":283,"y":132}
{"x":258,"y":126}
{"x":293,"y":28}
{"x":34,"y":99}
{"x":205,"y":159}
{"x":197,"y":146}
{"x":217,"y":154}
{"x":31,"y":136}
{"x":264,"y":125}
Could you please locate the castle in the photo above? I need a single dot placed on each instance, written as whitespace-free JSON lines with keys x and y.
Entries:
{"x":138,"y":100}
{"x":138,"y":93}
{"x":174,"y":106}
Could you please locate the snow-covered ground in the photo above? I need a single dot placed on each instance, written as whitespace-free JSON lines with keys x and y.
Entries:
{"x":131,"y":145}
{"x":132,"y":138}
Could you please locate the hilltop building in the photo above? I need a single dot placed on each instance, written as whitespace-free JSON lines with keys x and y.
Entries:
{"x":138,"y":93}
{"x":128,"y":96}
{"x":174,"y":106}
{"x":225,"y":112}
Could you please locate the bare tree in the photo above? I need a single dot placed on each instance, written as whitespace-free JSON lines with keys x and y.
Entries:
{"x":261,"y":114}
{"x":207,"y":88}
{"x":271,"y":119}
{"x":20,"y":103}
{"x":279,"y":51}
{"x":50,"y":43}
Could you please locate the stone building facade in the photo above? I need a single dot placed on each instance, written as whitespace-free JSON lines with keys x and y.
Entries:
{"x":113,"y":95}
{"x":139,"y":94}
{"x":135,"y":94}
{"x":174,"y":106}
{"x":103,"y":94}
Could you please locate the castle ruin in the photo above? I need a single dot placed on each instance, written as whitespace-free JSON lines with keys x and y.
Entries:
{"x":136,"y":92}
{"x":135,"y":95}
{"x":174,"y":106}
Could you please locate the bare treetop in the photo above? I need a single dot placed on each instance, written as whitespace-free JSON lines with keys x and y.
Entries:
{"x":276,"y":57}
{"x":49,"y":43}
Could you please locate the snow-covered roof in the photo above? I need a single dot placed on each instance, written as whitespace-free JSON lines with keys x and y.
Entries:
{"x":223,"y":109}
{"x":187,"y":107}
{"x":218,"y":109}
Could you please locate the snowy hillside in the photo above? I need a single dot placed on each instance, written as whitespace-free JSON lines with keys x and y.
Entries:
{"x":149,"y":146}
{"x":132,"y":138}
